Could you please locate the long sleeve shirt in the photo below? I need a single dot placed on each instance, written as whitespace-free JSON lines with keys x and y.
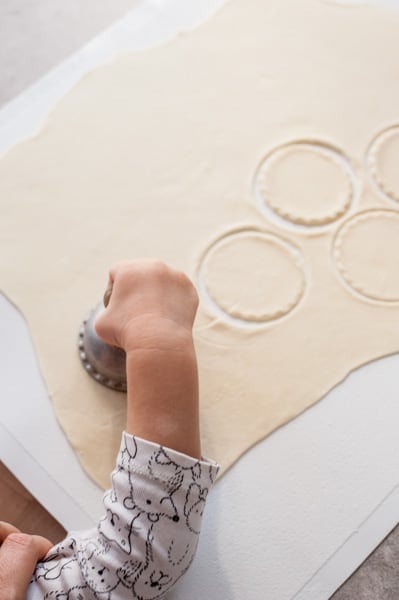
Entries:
{"x":147,"y":537}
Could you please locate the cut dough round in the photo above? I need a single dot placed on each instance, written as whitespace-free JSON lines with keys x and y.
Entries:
{"x":384,"y":161}
{"x":366,"y":251}
{"x":307,"y":184}
{"x":253,"y":276}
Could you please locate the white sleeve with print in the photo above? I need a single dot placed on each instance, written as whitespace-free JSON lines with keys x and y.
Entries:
{"x":147,"y":538}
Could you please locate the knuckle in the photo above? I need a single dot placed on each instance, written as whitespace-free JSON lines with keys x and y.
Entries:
{"x":23,"y":541}
{"x":193,"y":293}
{"x":190,"y":287}
{"x":117,"y":266}
{"x":195,"y":296}
{"x":100,"y":325}
{"x":160,"y":266}
{"x":158,"y":269}
{"x":184,"y":280}
{"x":5,"y":530}
{"x":124,"y":268}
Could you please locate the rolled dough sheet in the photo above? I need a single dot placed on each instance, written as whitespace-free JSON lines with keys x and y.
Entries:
{"x":257,"y":153}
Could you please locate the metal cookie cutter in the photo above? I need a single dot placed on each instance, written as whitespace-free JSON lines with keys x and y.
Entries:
{"x":105,"y":363}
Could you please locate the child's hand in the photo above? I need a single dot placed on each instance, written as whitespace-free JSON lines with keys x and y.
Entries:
{"x":152,"y":306}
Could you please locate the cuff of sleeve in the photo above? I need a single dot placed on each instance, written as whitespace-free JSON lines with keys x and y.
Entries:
{"x":149,"y":458}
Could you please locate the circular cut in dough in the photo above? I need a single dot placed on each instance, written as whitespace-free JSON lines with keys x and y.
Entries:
{"x":253,"y":276}
{"x":384,"y":162}
{"x":366,"y":251}
{"x":306,"y":184}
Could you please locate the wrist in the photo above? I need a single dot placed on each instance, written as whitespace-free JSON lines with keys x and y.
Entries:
{"x":153,"y":332}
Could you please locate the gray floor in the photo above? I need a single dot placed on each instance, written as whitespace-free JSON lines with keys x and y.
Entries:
{"x":36,"y":35}
{"x":378,"y":577}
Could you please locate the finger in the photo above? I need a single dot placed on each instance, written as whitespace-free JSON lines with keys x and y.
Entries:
{"x":107,"y":294}
{"x":111,"y":279}
{"x":6,"y":529}
{"x":113,"y":270}
{"x":19,"y":554}
{"x":43,"y":545}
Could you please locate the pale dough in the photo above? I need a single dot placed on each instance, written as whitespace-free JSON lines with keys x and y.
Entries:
{"x":161,"y":154}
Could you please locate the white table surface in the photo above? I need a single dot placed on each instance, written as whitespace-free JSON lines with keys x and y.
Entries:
{"x":302,"y":509}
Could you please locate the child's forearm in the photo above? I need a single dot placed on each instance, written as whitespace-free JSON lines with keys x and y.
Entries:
{"x":150,"y":315}
{"x":163,"y":395}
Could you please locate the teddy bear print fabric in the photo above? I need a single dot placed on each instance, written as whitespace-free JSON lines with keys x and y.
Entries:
{"x":147,"y":537}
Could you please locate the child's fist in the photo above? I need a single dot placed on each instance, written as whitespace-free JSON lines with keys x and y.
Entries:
{"x":152,"y":307}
